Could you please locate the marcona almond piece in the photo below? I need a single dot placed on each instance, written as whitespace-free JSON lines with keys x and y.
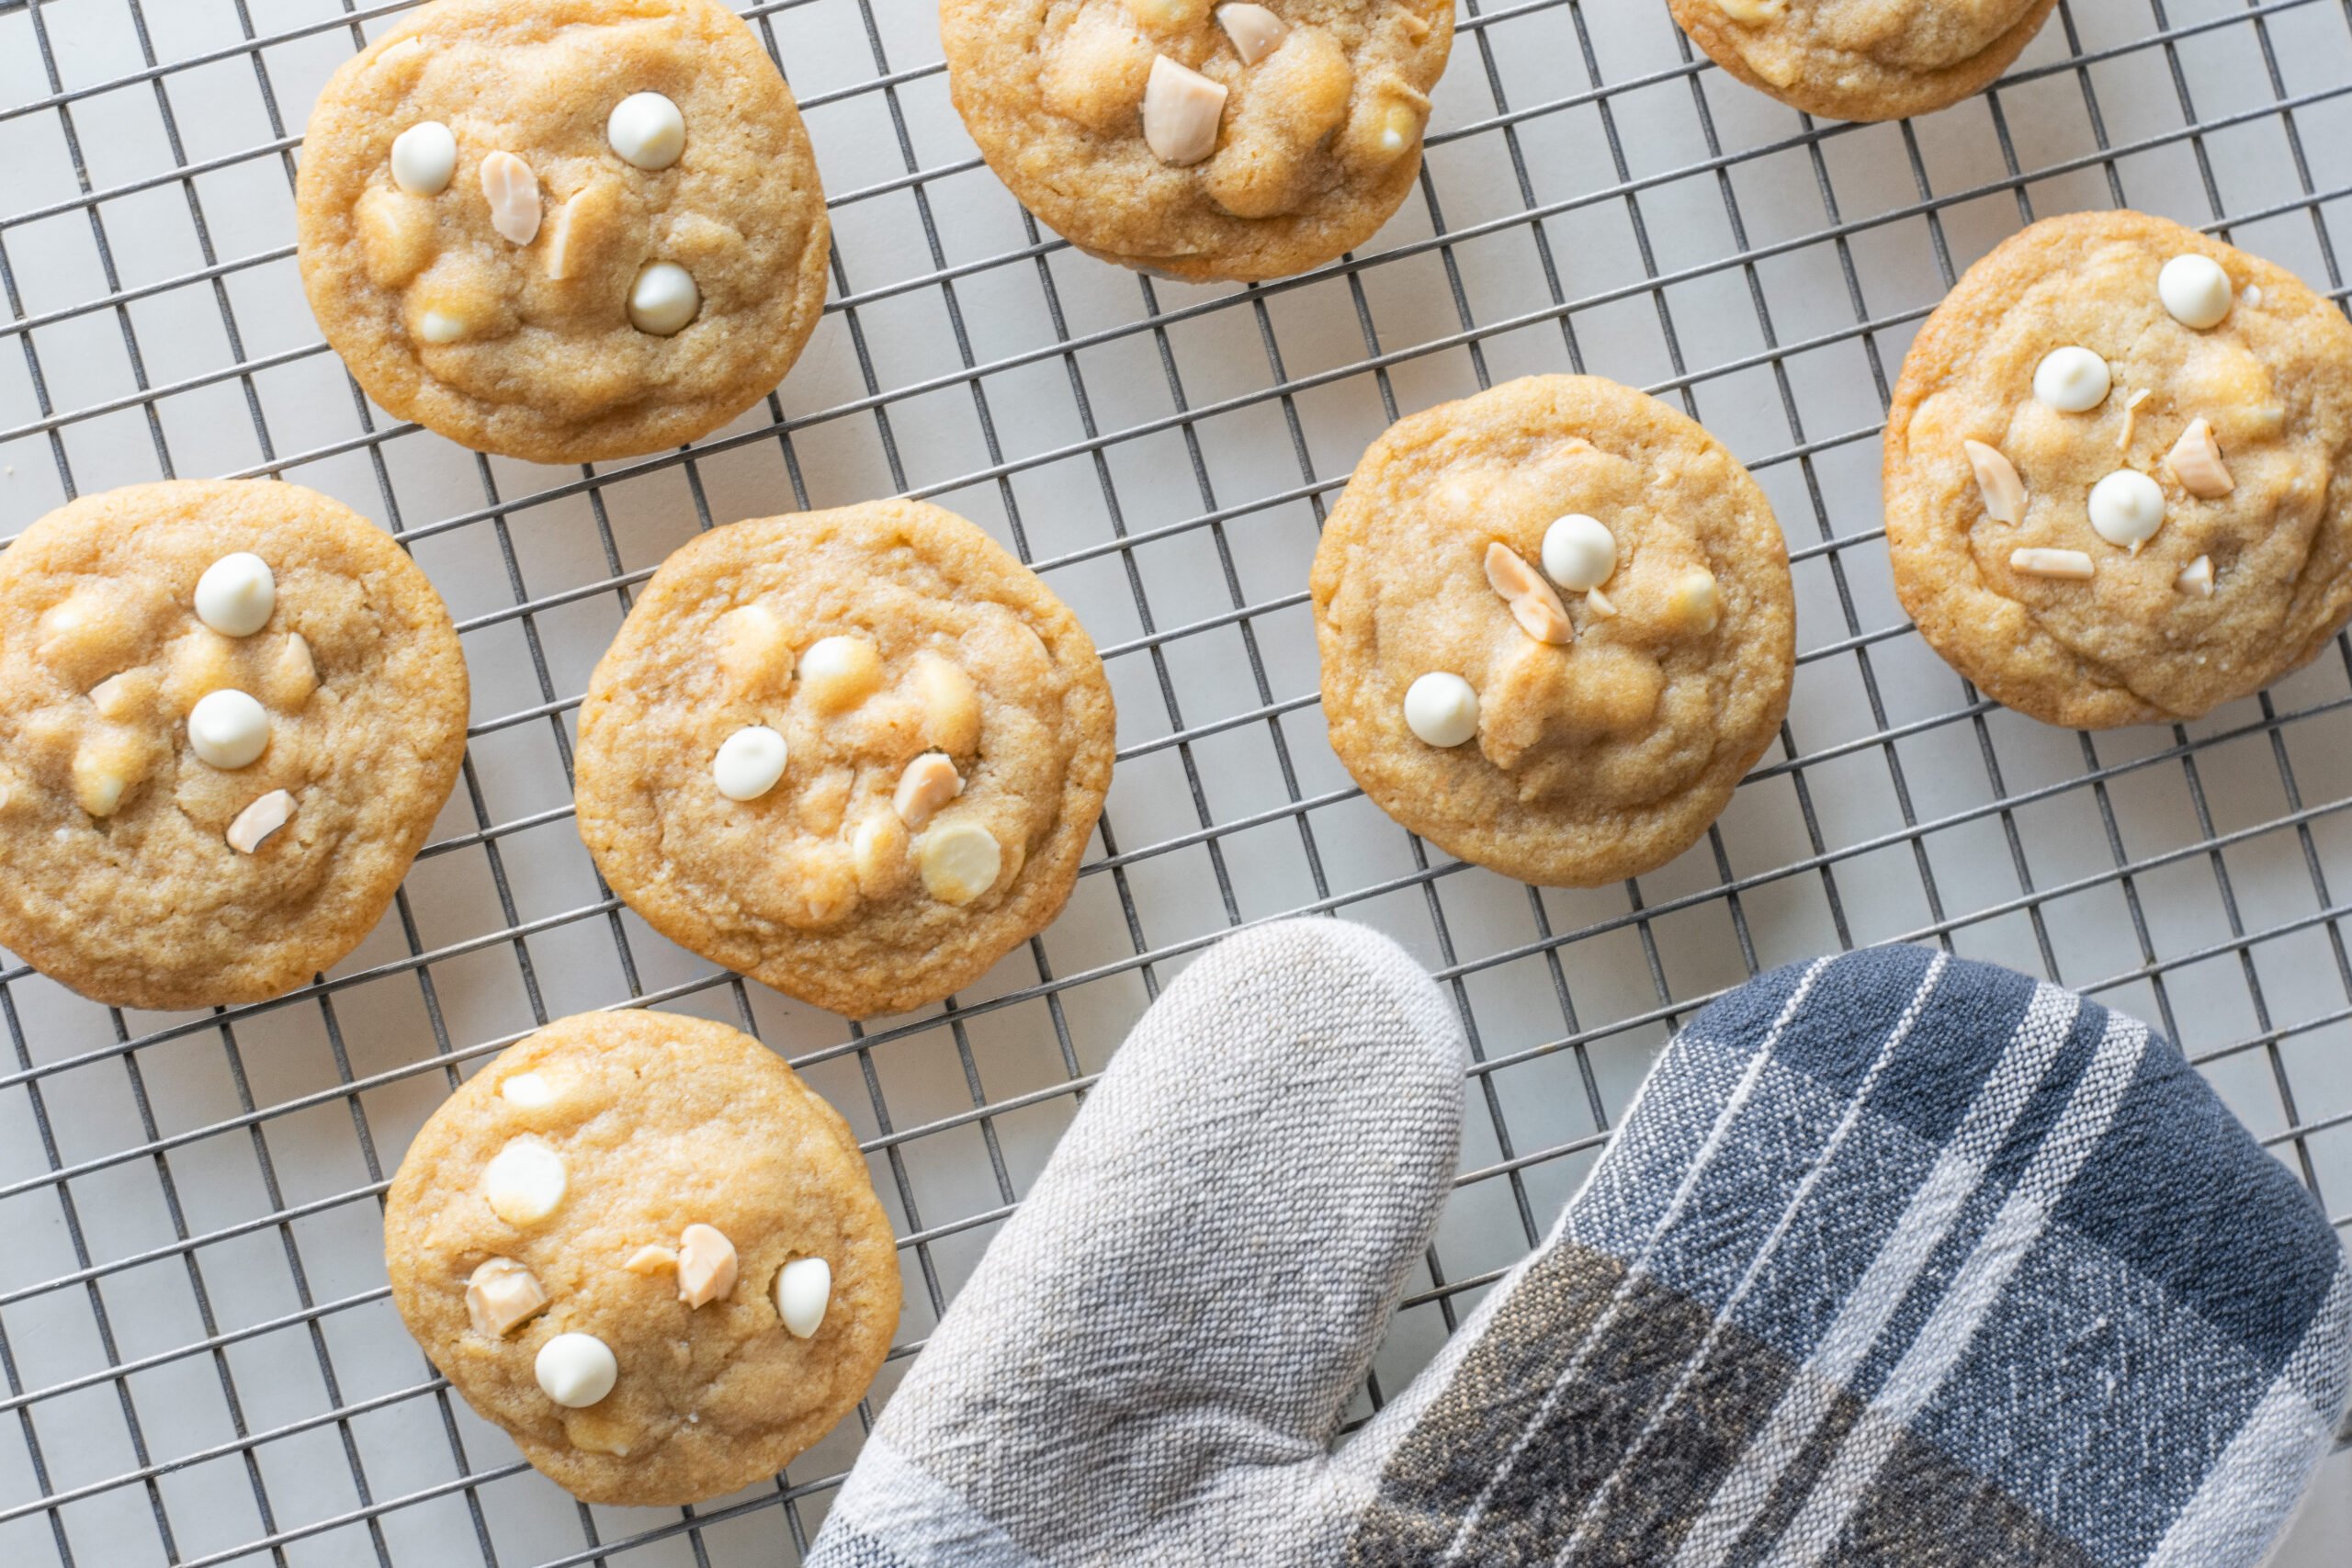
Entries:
{"x":2196,"y":461}
{"x":1533,"y":602}
{"x":259,"y":820}
{"x":296,"y":677}
{"x":950,"y":703}
{"x":754,"y":654}
{"x":651,"y":1260}
{"x":2197,"y":577}
{"x":705,"y":1265}
{"x":1997,"y":482}
{"x":513,"y":192}
{"x":117,"y":696}
{"x":928,"y":783}
{"x":878,"y":850}
{"x":1599,"y":603}
{"x":2071,"y":564}
{"x":1256,"y":32}
{"x":1180,"y":110}
{"x":2130,"y":418}
{"x":501,"y":1295}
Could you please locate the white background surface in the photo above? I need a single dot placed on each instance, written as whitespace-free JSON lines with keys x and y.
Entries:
{"x":195,"y":1344}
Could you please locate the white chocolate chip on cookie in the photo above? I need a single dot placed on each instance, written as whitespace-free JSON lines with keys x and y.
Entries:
{"x":928,"y":783}
{"x":749,"y":763}
{"x":2195,"y":291}
{"x":754,"y":653}
{"x":1997,"y":482}
{"x":803,"y":1286}
{"x":228,"y":728}
{"x":528,"y":1092}
{"x":105,"y":767}
{"x":501,"y":1297}
{"x":839,"y":672}
{"x":878,"y":851}
{"x":1442,"y":709}
{"x":647,"y":130}
{"x":959,"y":861}
{"x":1181,"y":111}
{"x":236,"y":595}
{"x":2070,"y":564}
{"x":259,"y":820}
{"x":705,"y":1265}
{"x":1580,"y":552}
{"x":2196,"y":461}
{"x":576,"y":1369}
{"x":2127,"y":508}
{"x":950,"y":703}
{"x":424,"y":158}
{"x":2072,"y":380}
{"x":1695,"y":606}
{"x":524,"y":1181}
{"x":663,"y":300}
{"x":513,"y":192}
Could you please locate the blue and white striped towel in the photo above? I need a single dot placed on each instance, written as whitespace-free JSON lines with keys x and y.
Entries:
{"x":1898,"y":1260}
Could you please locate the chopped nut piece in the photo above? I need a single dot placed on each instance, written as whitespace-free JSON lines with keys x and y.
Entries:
{"x":2130,"y":418}
{"x":959,"y":861}
{"x":839,"y":672}
{"x":1255,"y":31}
{"x":296,"y":677}
{"x":754,"y":654}
{"x":1533,"y":602}
{"x":2196,"y":461}
{"x":1180,"y":110}
{"x":651,"y":1260}
{"x":928,"y":783}
{"x":2073,"y":564}
{"x":705,"y":1265}
{"x":1997,"y":482}
{"x":502,"y":1295}
{"x":119,"y":696}
{"x":513,"y":192}
{"x":950,"y":703}
{"x":1599,"y":603}
{"x":1289,"y":107}
{"x":2197,"y":577}
{"x":259,"y":820}
{"x":879,"y":851}
{"x":567,"y":237}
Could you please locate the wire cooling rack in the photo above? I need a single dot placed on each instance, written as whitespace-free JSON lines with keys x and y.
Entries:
{"x":202,"y":1364}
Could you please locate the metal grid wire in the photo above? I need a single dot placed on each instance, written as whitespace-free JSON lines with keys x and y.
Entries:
{"x":202,"y":1364}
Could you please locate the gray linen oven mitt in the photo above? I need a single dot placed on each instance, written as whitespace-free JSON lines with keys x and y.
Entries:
{"x":1896,"y":1259}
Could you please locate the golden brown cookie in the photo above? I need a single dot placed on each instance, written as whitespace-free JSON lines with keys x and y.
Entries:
{"x":649,"y":1251}
{"x":854,"y":754}
{"x":1198,"y":140}
{"x":2119,"y":472}
{"x":563,"y":229}
{"x":1864,"y":58}
{"x":228,"y":715}
{"x":1557,"y":627}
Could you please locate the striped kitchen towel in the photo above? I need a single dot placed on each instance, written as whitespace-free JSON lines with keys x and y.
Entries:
{"x":1898,"y":1260}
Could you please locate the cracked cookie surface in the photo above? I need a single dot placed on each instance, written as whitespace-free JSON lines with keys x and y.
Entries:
{"x":1576,"y":738}
{"x":645,"y":1125}
{"x":130,"y":875}
{"x":1864,"y":58}
{"x":2174,"y":531}
{"x":517,"y":287}
{"x":1310,"y":145}
{"x":854,"y":754}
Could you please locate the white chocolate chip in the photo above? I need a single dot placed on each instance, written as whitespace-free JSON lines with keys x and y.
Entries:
{"x":2127,"y":508}
{"x":528,"y":1092}
{"x":647,"y":129}
{"x":513,"y":192}
{"x":501,"y":1297}
{"x":576,"y":1369}
{"x":1997,"y":482}
{"x":104,"y":770}
{"x":663,"y":299}
{"x":705,"y":1265}
{"x":959,"y":861}
{"x":878,"y":851}
{"x":1694,"y":604}
{"x":748,"y":762}
{"x":259,"y":820}
{"x":2050,"y":563}
{"x":1752,"y":12}
{"x":296,"y":676}
{"x":424,"y":157}
{"x":754,"y":654}
{"x":1256,"y":32}
{"x":1533,"y":602}
{"x":2195,"y":291}
{"x":2072,"y":380}
{"x":1442,"y":709}
{"x":1180,"y":110}
{"x":803,"y":1286}
{"x":524,"y":1181}
{"x":440,"y":326}
{"x":651,"y":1260}
{"x":236,"y":595}
{"x":950,"y":702}
{"x":1580,"y":552}
{"x":839,"y":673}
{"x":2196,"y":461}
{"x":228,"y":728}
{"x":2197,"y":577}
{"x":2252,"y":297}
{"x":928,"y":783}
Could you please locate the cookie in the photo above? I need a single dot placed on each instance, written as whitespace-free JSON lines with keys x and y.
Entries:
{"x":563,"y":229}
{"x":853,"y":754}
{"x":1195,"y":141}
{"x":643,"y":1246}
{"x":1863,"y":58}
{"x":2118,"y":473}
{"x":229,"y":713}
{"x":1557,"y":627}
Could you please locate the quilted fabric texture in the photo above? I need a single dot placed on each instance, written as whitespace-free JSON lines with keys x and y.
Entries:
{"x":1896,"y":1259}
